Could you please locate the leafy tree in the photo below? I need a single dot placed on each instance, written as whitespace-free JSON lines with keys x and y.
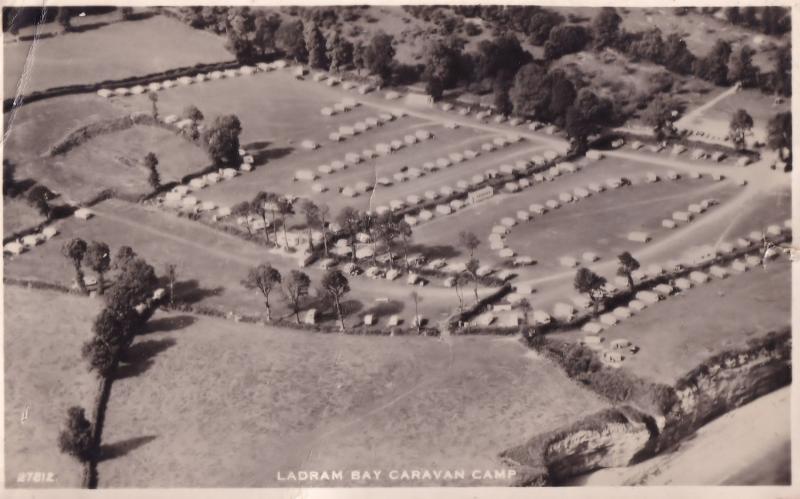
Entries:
{"x":587,"y":116}
{"x":502,"y":101}
{"x":295,"y":289}
{"x":350,"y":220}
{"x":659,"y":116}
{"x":714,"y":67}
{"x":223,"y":140}
{"x":417,"y":322}
{"x":284,"y":208}
{"x":605,"y":28}
{"x":64,"y":18}
{"x":172,"y":277}
{"x":311,"y":213}
{"x":263,"y":203}
{"x":289,"y":38}
{"x":592,"y":284}
{"x":742,"y":68}
{"x":9,"y":182}
{"x":39,"y":197}
{"x":264,"y":278}
{"x":191,"y":112}
{"x":677,"y":56}
{"x":75,"y":250}
{"x":541,"y":23}
{"x":782,"y":75}
{"x":540,"y":94}
{"x":469,"y":241}
{"x":76,"y":437}
{"x":359,"y":56}
{"x":335,"y":284}
{"x":500,"y":58}
{"x":315,"y":46}
{"x":133,"y":289}
{"x":565,"y":39}
{"x":472,"y":268}
{"x":379,"y":56}
{"x":388,"y":230}
{"x":154,"y":101}
{"x":98,"y":258}
{"x":443,"y":61}
{"x":627,"y":264}
{"x":264,"y":37}
{"x":405,"y":233}
{"x":151,"y":162}
{"x":740,"y":126}
{"x":124,"y":256}
{"x":339,"y":51}
{"x":648,"y":46}
{"x":779,"y":135}
{"x":435,"y":88}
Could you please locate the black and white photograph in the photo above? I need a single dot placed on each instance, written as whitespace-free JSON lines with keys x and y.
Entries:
{"x":284,"y":246}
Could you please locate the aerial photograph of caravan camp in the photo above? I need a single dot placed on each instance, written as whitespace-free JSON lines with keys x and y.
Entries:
{"x":396,"y":246}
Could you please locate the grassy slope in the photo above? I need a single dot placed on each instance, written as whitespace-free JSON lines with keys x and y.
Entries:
{"x":121,"y":49}
{"x":115,"y":161}
{"x":206,"y":402}
{"x":44,"y":373}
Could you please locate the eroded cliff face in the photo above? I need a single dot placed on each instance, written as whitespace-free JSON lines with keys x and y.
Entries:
{"x":613,"y":444}
{"x":624,"y":435}
{"x":723,"y":386}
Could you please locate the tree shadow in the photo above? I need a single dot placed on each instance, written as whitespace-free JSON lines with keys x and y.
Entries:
{"x":190,"y":291}
{"x":258,"y":145}
{"x":267,"y":155}
{"x":168,"y":324}
{"x":82,"y":28}
{"x":381,"y":310}
{"x":434,"y":252}
{"x":139,"y":357}
{"x":123,"y":447}
{"x":140,"y":16}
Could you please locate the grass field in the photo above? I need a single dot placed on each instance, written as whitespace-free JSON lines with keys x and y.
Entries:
{"x":33,"y":128}
{"x":18,"y":215}
{"x":44,"y":375}
{"x":116,"y":161}
{"x":679,"y":333}
{"x":576,"y":227}
{"x":301,"y":400}
{"x":107,"y":52}
{"x":213,"y":274}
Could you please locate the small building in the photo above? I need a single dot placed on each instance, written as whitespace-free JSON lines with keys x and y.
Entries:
{"x":718,"y":271}
{"x":637,"y":305}
{"x":647,"y":297}
{"x":564,"y":311}
{"x":592,"y":328}
{"x":639,"y":237}
{"x":568,"y":261}
{"x":698,"y":277}
{"x":84,"y":214}
{"x":310,"y":317}
{"x":609,"y":319}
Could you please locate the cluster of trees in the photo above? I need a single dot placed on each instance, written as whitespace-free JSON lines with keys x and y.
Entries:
{"x":534,"y":22}
{"x":222,"y":140}
{"x":129,"y":304}
{"x":295,"y":288}
{"x":594,"y":286}
{"x":721,"y":66}
{"x":153,"y":177}
{"x":552,"y":96}
{"x":253,"y":35}
{"x":386,"y":229}
{"x":768,"y":20}
{"x":263,"y":205}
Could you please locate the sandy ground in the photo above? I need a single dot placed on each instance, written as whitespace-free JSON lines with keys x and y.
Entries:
{"x":730,"y":450}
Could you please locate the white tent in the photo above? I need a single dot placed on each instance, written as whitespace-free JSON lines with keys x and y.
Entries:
{"x":567,"y":261}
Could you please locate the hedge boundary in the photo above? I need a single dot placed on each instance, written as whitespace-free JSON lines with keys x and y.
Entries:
{"x":20,"y":100}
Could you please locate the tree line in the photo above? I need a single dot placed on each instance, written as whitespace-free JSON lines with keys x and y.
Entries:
{"x":128,"y":305}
